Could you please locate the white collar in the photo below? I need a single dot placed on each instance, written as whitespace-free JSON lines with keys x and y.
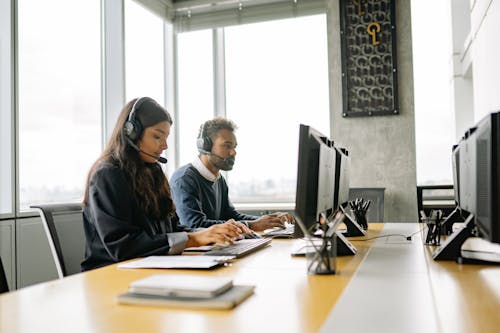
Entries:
{"x":204,"y":171}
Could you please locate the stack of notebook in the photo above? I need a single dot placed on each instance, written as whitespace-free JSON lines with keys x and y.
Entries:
{"x":182,"y":290}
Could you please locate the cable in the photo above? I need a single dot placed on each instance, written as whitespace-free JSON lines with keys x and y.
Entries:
{"x":408,"y":237}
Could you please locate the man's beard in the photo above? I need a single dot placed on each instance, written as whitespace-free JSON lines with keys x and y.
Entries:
{"x":220,"y":163}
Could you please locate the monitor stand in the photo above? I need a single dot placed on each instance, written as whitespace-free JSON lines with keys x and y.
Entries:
{"x":353,"y":228}
{"x":344,"y":247}
{"x":454,"y":217}
{"x":452,"y":247}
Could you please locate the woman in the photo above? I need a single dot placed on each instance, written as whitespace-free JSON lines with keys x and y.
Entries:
{"x":128,"y":210}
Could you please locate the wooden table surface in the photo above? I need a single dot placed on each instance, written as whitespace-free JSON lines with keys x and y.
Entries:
{"x":286,"y":298}
{"x":467,"y":297}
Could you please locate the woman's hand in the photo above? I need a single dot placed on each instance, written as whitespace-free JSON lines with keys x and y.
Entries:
{"x":222,"y":234}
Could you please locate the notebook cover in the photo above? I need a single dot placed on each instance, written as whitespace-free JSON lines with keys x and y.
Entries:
{"x":224,"y":301}
{"x":181,"y":285}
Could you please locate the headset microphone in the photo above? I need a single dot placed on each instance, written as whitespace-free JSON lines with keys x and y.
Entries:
{"x":206,"y":152}
{"x":157,"y":158}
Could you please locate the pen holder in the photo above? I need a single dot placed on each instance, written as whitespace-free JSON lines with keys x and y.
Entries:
{"x":361,"y":218}
{"x":433,"y":230}
{"x":321,"y":255}
{"x":359,"y":207}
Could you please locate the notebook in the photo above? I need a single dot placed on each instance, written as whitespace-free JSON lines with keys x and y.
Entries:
{"x":181,"y":285}
{"x":226,"y":300}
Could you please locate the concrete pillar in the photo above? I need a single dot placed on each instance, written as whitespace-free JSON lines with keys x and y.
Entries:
{"x":382,"y":148}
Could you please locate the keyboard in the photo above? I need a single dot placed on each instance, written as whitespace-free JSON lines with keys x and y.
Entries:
{"x":240,"y":248}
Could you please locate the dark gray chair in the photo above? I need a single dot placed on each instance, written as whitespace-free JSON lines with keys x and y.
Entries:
{"x":63,"y":225}
{"x":435,"y":197}
{"x":4,"y":287}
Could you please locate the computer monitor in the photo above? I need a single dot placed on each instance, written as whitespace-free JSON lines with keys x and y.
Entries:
{"x":487,"y":162}
{"x":342,"y":177}
{"x":455,"y":165}
{"x":315,"y":178}
{"x":457,"y":215}
{"x":467,"y":167}
{"x":478,"y":182}
{"x":341,"y":191}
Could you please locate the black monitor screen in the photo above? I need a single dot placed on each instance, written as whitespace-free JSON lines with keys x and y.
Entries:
{"x":315,"y":180}
{"x":487,"y":149}
{"x":342,"y":177}
{"x":479,"y":179}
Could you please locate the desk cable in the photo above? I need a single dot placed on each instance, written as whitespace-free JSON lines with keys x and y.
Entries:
{"x":408,"y":237}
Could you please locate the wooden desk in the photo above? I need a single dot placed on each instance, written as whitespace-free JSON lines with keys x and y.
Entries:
{"x":400,"y":288}
{"x":397,"y":288}
{"x":467,"y":296}
{"x":286,"y":299}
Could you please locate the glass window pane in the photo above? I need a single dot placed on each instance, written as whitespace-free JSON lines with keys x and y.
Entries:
{"x":143,"y":53}
{"x":195,"y":89}
{"x":6,"y":134}
{"x":59,"y":98}
{"x":276,"y":78}
{"x":432,"y":97}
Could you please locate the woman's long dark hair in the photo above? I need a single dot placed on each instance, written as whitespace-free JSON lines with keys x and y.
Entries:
{"x":147,"y":180}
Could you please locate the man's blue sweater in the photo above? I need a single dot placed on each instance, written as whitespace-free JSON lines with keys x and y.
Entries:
{"x":201,"y":203}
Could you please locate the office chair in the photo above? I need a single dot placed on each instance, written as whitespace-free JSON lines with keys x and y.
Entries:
{"x":4,"y":287}
{"x":442,"y":199}
{"x":63,"y":225}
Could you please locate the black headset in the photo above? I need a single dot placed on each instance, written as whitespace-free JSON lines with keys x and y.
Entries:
{"x":204,"y":143}
{"x":133,"y":127}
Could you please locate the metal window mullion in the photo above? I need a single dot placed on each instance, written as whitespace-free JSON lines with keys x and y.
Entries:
{"x":175,"y":74}
{"x":219,"y":75}
{"x":112,"y":64}
{"x":170,"y":91}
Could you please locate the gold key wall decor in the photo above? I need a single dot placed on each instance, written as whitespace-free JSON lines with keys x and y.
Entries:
{"x":369,"y":66}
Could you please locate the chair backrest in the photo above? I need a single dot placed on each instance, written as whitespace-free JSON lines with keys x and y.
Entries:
{"x":63,"y":225}
{"x":435,"y":197}
{"x":4,"y":287}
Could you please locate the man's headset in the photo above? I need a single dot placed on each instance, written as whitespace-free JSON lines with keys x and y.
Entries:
{"x":205,"y":145}
{"x":133,"y":128}
{"x":204,"y":142}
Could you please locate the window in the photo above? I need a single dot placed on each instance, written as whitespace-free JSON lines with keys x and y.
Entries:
{"x":59,"y":98}
{"x":6,"y":134}
{"x":276,"y":78}
{"x":195,"y":89}
{"x":431,"y":72}
{"x":144,"y":56}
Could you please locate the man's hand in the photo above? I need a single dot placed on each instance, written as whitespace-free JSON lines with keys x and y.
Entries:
{"x":271,"y":221}
{"x":222,"y":234}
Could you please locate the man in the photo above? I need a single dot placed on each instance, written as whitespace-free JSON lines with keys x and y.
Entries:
{"x":200,"y":192}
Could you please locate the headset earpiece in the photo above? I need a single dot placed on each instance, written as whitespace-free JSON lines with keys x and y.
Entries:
{"x":204,"y":143}
{"x":133,"y":127}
